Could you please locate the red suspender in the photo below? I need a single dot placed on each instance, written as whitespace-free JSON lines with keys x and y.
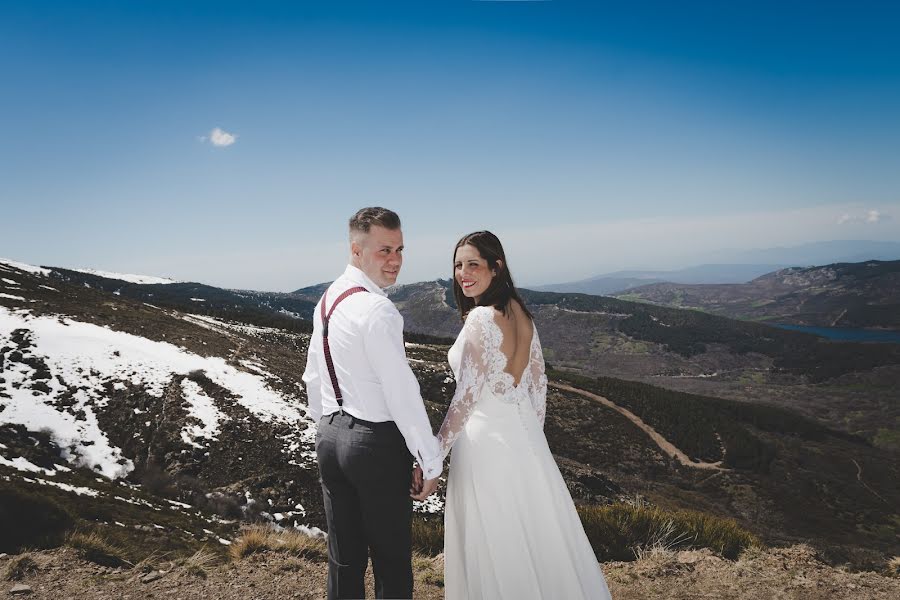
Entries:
{"x":325,"y":320}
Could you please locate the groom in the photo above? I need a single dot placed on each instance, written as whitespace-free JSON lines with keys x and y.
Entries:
{"x":371,"y":418}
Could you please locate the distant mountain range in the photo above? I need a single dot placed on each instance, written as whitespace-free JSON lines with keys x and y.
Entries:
{"x":736,"y":266}
{"x":618,"y":281}
{"x":838,"y":295}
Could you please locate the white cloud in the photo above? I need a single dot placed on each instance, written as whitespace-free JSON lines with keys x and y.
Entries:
{"x":219,"y":138}
{"x":869,"y":216}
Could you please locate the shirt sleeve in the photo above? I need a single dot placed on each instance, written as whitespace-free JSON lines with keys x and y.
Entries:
{"x":473,"y":373}
{"x":311,"y":377}
{"x":387,"y":355}
{"x":537,"y":387}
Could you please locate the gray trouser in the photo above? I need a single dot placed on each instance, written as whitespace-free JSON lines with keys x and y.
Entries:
{"x":366,"y":472}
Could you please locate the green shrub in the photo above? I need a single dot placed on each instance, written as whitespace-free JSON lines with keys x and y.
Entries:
{"x":28,"y":519}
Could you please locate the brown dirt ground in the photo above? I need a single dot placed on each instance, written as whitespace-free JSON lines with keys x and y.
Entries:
{"x":785,"y":573}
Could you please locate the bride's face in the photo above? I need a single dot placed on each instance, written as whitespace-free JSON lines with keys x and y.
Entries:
{"x":472,"y":271}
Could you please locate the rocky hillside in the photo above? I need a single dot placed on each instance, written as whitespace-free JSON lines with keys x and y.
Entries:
{"x":857,"y":295}
{"x":168,"y":429}
{"x":697,"y":352}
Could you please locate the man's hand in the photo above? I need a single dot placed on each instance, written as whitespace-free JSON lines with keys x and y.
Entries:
{"x":416,"y":485}
{"x":428,"y":488}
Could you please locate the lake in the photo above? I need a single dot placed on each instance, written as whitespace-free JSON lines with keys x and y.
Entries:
{"x":843,"y":334}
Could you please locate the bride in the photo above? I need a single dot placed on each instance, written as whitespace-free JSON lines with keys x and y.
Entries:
{"x":511,"y":528}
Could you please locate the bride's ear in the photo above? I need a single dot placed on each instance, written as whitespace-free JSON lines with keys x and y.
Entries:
{"x":499,"y":267}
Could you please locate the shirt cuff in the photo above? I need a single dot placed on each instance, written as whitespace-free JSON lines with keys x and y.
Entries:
{"x":432,"y":468}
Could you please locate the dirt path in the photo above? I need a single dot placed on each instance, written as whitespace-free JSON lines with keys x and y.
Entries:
{"x":664,"y":444}
{"x":865,"y":485}
{"x":839,"y":317}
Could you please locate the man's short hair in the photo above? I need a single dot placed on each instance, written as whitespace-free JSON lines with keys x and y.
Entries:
{"x":364,"y":218}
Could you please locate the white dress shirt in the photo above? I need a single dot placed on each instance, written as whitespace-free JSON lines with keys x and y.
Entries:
{"x":365,"y":336}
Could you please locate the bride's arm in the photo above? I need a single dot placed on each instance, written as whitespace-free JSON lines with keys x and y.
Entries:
{"x":472,"y":375}
{"x":537,"y":389}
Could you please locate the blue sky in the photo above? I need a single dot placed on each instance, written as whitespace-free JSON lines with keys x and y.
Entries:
{"x":589,"y":137}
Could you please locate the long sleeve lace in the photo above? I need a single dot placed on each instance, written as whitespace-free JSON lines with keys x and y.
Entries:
{"x":537,"y":386}
{"x":473,"y":373}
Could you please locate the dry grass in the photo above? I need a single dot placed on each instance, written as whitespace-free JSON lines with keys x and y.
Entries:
{"x":146,"y":564}
{"x":262,"y":539}
{"x":20,"y":567}
{"x":627,"y":531}
{"x":428,"y":535}
{"x":198,"y":563}
{"x":429,"y":568}
{"x":93,"y":547}
{"x":893,"y":567}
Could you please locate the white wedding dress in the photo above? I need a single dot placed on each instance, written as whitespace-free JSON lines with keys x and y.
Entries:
{"x":511,"y":530}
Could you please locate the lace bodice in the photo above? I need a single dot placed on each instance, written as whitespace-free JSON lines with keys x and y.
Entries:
{"x":480,"y":367}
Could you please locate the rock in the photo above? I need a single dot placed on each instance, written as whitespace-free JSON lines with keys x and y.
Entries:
{"x":20,"y":589}
{"x":3,"y":555}
{"x":151,"y":576}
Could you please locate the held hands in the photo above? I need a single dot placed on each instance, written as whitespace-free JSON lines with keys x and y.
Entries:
{"x":421,"y":488}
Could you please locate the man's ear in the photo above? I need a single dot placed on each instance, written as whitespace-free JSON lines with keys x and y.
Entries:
{"x":355,"y":248}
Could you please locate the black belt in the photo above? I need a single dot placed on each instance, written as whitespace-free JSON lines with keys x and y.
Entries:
{"x":356,"y":420}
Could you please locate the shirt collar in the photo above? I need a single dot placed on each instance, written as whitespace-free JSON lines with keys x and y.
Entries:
{"x":358,"y":277}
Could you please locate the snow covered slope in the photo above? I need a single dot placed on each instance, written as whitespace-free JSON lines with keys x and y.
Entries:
{"x":92,"y":383}
{"x":191,"y":407}
{"x":143,"y":279}
{"x":60,"y":371}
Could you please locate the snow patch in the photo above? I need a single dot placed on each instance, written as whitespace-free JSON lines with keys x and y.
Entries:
{"x":142,"y":279}
{"x":81,"y":491}
{"x":25,"y":267}
{"x":433,"y":504}
{"x":203,"y":408}
{"x":11,"y":297}
{"x":313,"y":532}
{"x":23,"y":464}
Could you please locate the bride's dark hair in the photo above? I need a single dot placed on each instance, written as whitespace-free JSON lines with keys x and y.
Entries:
{"x":501,"y":290}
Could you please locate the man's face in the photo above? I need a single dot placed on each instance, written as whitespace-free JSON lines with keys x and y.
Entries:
{"x":379,"y":254}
